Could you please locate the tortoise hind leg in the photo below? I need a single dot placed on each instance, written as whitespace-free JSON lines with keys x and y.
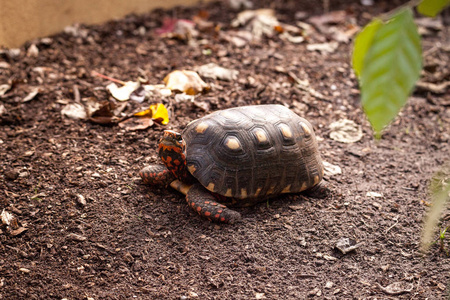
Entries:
{"x":319,"y":191}
{"x":156,"y":174}
{"x":205,"y":204}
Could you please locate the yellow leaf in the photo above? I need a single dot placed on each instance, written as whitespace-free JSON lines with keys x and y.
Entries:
{"x":157,"y":112}
{"x":148,"y":112}
{"x":160,"y":113}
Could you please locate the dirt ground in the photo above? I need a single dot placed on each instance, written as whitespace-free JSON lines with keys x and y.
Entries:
{"x":89,"y":229}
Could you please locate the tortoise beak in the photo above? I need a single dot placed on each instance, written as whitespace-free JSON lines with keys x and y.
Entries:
{"x":171,"y":138}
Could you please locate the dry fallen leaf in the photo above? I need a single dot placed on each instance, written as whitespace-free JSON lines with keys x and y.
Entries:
{"x":330,"y":169}
{"x":157,"y":112}
{"x":397,"y":288}
{"x":345,"y":131}
{"x":237,"y":38}
{"x":4,"y":88}
{"x":323,"y":48}
{"x":122,"y":93}
{"x":139,"y":123}
{"x":214,"y":71}
{"x":74,"y":111}
{"x":158,"y":89}
{"x":259,"y":22}
{"x":31,"y":95}
{"x":106,"y":113}
{"x":177,"y":28}
{"x":185,"y":81}
{"x":11,"y":223}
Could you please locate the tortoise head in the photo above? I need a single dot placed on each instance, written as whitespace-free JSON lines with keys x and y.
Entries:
{"x":172,"y":153}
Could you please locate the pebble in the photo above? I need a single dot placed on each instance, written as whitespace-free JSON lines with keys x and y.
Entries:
{"x":315,"y":292}
{"x":11,"y":175}
{"x":81,"y":200}
{"x":24,"y":270}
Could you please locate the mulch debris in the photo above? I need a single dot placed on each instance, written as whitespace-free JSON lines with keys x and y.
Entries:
{"x":89,"y":229}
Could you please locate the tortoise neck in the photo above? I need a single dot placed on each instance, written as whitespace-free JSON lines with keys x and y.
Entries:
{"x":172,"y":153}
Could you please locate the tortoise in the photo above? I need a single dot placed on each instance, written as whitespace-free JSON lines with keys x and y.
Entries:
{"x":239,"y":156}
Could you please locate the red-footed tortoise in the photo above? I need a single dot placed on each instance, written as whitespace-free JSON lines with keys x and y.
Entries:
{"x":239,"y":156}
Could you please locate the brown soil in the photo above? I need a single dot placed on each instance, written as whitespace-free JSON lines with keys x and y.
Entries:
{"x":129,"y":241}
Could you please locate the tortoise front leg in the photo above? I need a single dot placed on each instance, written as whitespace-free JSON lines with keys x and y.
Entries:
{"x":156,"y":174}
{"x":205,"y":204}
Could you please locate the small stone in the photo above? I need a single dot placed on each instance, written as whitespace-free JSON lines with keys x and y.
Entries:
{"x":259,"y":296}
{"x":24,"y":270}
{"x":11,"y":174}
{"x":81,"y":200}
{"x":374,"y":195}
{"x":441,"y":286}
{"x":329,"y":285}
{"x":96,"y":175}
{"x":24,"y":174}
{"x":314,"y":292}
{"x":28,"y":153}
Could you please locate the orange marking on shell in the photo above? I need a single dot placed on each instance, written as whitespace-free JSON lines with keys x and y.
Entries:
{"x":217,"y":216}
{"x":220,"y":211}
{"x":222,"y":219}
{"x":207,"y":213}
{"x":199,"y":209}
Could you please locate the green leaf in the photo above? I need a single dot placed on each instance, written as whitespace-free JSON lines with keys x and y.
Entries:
{"x":390,"y":69}
{"x":431,"y":8}
{"x":363,"y":42}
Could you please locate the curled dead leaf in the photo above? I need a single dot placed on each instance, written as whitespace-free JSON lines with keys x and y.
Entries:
{"x":107,"y":113}
{"x":345,"y":131}
{"x":74,"y":111}
{"x":158,"y":112}
{"x":139,"y":123}
{"x":122,"y":93}
{"x":397,"y":288}
{"x":185,"y":81}
{"x":177,"y":28}
{"x":214,"y":71}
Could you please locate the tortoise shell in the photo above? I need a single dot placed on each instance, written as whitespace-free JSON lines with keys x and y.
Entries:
{"x":253,"y":151}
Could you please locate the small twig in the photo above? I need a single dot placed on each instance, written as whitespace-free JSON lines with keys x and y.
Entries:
{"x":94,"y":73}
{"x":76,"y":94}
{"x":391,"y":227}
{"x":303,"y":275}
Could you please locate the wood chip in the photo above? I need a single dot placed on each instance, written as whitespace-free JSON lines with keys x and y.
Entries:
{"x":441,"y":88}
{"x":24,"y":270}
{"x":76,"y":237}
{"x":397,"y":288}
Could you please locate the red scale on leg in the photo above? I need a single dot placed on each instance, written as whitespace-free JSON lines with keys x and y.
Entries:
{"x":202,"y":202}
{"x":156,"y":175}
